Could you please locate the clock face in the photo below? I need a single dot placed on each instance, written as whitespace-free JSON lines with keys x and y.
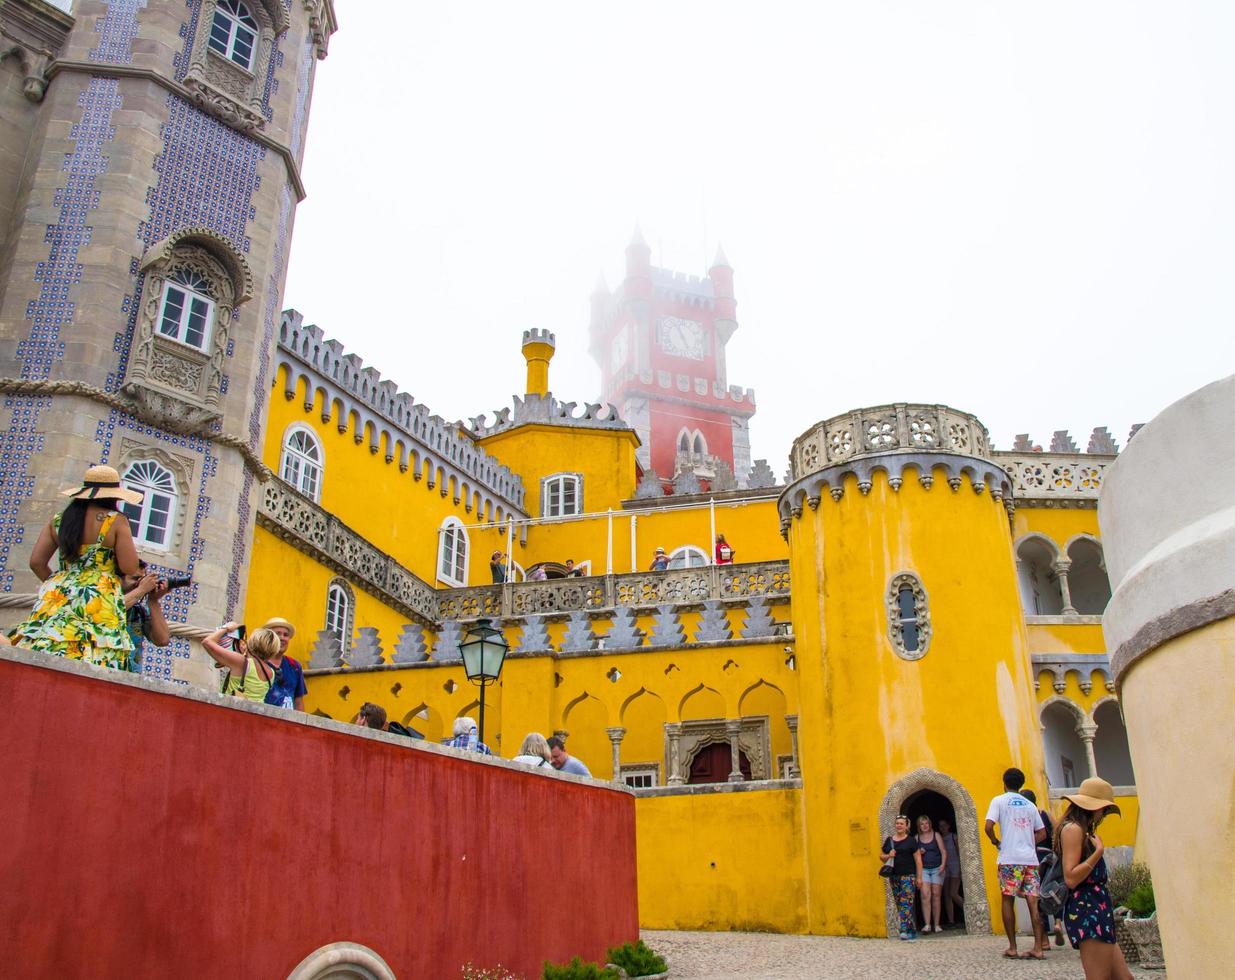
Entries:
{"x":682,"y":338}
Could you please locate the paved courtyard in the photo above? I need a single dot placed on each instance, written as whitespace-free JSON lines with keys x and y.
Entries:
{"x":732,"y":955}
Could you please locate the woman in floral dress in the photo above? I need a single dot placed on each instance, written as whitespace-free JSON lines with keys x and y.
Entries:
{"x":80,"y":609}
{"x":1087,"y":914}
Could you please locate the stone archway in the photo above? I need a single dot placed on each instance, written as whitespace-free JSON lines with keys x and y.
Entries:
{"x":342,"y":961}
{"x":977,"y":911}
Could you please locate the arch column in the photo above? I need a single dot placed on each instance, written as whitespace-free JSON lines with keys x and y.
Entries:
{"x":1086,"y":734}
{"x":615,"y":740}
{"x":1061,"y":567}
{"x":673,"y":730}
{"x":795,"y":771}
{"x":733,"y":728}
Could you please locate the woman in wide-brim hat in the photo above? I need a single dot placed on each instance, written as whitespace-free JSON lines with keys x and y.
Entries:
{"x":80,"y":609}
{"x":1088,"y":917}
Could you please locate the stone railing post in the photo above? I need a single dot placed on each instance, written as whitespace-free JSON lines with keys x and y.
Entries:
{"x":795,"y":771}
{"x":1086,"y":734}
{"x":674,"y":732}
{"x":733,"y":728}
{"x":1061,"y":567}
{"x":615,"y":739}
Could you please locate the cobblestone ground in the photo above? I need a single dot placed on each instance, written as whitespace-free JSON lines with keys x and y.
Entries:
{"x":948,"y":956}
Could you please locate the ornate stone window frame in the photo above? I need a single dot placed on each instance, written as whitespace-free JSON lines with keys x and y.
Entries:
{"x":168,"y":379}
{"x":182,"y":469}
{"x":896,"y":623}
{"x":559,"y":480}
{"x":222,"y":87}
{"x":754,"y":739}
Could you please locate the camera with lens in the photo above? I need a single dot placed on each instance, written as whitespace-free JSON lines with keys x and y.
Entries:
{"x":179,"y":582}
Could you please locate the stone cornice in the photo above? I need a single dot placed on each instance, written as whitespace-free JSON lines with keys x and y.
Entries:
{"x":23,"y":387}
{"x":65,"y":66}
{"x":1162,"y":629}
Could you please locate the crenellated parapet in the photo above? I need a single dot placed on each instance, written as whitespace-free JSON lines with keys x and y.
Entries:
{"x":892,"y":439}
{"x":547,"y":410}
{"x":390,"y":420}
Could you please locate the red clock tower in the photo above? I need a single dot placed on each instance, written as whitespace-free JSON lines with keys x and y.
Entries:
{"x":659,"y":339}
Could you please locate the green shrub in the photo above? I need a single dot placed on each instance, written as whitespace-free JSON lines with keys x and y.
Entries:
{"x":637,"y":960}
{"x":1125,"y":880}
{"x":576,"y":969}
{"x":1141,"y":902}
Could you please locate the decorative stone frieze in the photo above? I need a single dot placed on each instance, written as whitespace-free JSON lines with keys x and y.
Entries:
{"x":327,"y":540}
{"x":367,"y":650}
{"x":1081,"y":664}
{"x":1055,"y":479}
{"x":424,"y":443}
{"x":547,"y":410}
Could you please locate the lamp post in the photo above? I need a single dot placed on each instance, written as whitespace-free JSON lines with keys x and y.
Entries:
{"x":484,"y":651}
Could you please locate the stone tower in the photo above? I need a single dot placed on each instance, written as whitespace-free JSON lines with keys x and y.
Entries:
{"x":149,"y":176}
{"x":660,"y":342}
{"x":911,"y":646}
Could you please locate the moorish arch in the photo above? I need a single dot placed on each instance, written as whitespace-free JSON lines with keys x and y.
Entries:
{"x":977,"y":912}
{"x":342,"y":961}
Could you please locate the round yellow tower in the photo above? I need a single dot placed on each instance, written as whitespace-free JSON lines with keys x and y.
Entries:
{"x":911,"y":647}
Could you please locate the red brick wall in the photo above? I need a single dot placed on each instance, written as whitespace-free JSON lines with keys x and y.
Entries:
{"x":146,"y":834}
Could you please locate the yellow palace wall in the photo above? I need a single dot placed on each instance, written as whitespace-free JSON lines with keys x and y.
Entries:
{"x":882,"y":717}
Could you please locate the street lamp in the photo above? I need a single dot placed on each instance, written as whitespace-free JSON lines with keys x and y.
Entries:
{"x":484,"y":651}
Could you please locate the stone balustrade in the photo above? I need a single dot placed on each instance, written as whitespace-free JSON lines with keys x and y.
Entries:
{"x":326,"y":539}
{"x":1055,"y":477}
{"x":637,"y":590}
{"x":1081,"y":664}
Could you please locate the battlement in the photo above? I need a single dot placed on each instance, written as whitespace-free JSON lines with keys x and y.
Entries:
{"x":548,"y":411}
{"x":390,"y":417}
{"x":685,"y":384}
{"x":1101,"y":442}
{"x":697,"y":290}
{"x":539,"y":336}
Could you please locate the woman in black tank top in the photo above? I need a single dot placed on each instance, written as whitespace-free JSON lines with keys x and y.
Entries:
{"x":934,"y":859}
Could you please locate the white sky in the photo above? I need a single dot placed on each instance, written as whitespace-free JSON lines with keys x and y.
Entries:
{"x":1023,"y":210}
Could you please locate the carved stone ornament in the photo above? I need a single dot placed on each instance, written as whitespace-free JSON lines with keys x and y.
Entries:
{"x":896,"y":624}
{"x":223,"y":88}
{"x":169,"y":378}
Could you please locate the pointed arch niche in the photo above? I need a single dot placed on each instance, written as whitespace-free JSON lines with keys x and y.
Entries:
{"x":977,"y":912}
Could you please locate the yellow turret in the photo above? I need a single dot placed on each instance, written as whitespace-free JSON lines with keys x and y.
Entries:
{"x":538,"y":347}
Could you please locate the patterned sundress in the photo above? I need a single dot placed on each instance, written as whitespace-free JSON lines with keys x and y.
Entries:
{"x":80,"y":609}
{"x":1088,"y":914}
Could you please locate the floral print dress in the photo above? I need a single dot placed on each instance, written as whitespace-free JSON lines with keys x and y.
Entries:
{"x":80,"y":610}
{"x":1088,"y":913}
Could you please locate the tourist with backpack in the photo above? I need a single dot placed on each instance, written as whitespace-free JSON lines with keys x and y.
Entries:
{"x":1088,"y":916}
{"x":249,"y":673}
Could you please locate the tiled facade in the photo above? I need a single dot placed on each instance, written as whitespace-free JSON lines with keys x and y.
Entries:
{"x":116,"y":163}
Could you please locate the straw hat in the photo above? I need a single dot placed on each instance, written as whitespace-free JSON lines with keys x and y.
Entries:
{"x":660,"y":551}
{"x":103,"y":483}
{"x":274,"y":621}
{"x":1094,"y":794}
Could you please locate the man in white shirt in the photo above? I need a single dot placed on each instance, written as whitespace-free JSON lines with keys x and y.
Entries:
{"x":1020,"y":830}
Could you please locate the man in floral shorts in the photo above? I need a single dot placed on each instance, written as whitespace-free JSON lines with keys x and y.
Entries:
{"x":1020,"y":830}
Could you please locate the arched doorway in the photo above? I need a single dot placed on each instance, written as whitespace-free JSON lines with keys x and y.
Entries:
{"x":938,"y":807}
{"x":714,"y":762}
{"x":918,"y":792}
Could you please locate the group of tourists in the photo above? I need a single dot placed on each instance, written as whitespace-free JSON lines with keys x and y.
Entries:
{"x":1031,"y":853}
{"x":536,"y":750}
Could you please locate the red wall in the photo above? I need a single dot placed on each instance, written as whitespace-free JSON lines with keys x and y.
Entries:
{"x":144,"y":834}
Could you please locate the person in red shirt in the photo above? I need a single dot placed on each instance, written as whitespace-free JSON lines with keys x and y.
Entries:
{"x":724,"y":554}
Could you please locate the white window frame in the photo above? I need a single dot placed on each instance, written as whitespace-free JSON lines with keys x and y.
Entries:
{"x":235,"y":16}
{"x":295,"y":465}
{"x":153,"y":489}
{"x":687,"y":551}
{"x":553,"y":495}
{"x":190,"y":294}
{"x":340,"y":610}
{"x":452,"y":563}
{"x":637,"y":775}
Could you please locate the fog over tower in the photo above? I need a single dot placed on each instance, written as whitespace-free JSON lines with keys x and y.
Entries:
{"x":659,"y":339}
